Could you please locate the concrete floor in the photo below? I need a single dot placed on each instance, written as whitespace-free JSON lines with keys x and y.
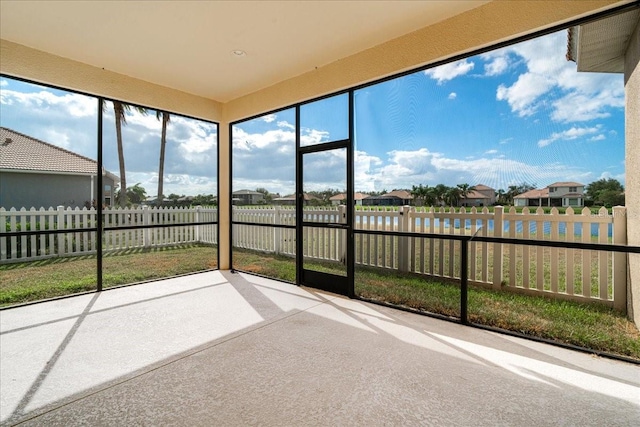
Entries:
{"x":232,"y":349}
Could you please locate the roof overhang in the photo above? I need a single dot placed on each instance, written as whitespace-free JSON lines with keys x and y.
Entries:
{"x":600,"y":46}
{"x":220,"y":50}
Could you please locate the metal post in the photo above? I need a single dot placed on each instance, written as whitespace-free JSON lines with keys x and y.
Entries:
{"x":99,"y":227}
{"x":464,"y":273}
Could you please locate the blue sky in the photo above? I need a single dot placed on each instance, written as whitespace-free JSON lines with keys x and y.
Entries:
{"x":518,"y":114}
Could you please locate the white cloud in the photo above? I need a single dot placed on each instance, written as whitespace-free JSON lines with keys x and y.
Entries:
{"x":452,"y":95}
{"x":268,"y":118}
{"x":496,"y":62}
{"x":264,"y":159}
{"x":505,"y":141}
{"x":285,"y":124}
{"x":608,"y":175}
{"x":4,"y":83}
{"x":312,"y":136}
{"x":522,"y":95}
{"x":570,"y":134}
{"x":580,"y":106}
{"x":552,"y":82}
{"x":404,"y":168}
{"x":496,"y":67}
{"x":450,"y":71}
{"x":598,"y":138}
{"x":73,"y":104}
{"x":491,"y":152}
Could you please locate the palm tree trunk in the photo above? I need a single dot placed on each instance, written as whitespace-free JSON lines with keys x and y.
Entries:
{"x":163,"y":143}
{"x":118,"y":110}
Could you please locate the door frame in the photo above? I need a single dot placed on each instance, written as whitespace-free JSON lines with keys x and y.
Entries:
{"x":325,"y":281}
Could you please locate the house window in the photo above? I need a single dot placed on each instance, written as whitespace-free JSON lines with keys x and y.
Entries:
{"x":552,"y":190}
{"x":573,"y":189}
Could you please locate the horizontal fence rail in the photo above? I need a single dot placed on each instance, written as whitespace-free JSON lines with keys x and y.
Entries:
{"x":406,"y":239}
{"x":29,"y":235}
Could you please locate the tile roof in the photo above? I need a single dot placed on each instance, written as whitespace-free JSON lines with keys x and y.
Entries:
{"x":246,"y":192}
{"x":343,"y":196}
{"x":534,"y":194}
{"x":306,"y":197}
{"x":480,"y":187}
{"x":402,"y":194}
{"x":566,"y":184}
{"x":22,"y":152}
{"x":475,"y":195}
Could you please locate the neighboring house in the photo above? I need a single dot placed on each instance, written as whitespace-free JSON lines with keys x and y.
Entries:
{"x":482,"y":195}
{"x":341,"y":199}
{"x":563,"y":194}
{"x":532,"y":198}
{"x":290,"y":200}
{"x":394,"y":198}
{"x":34,"y":173}
{"x":247,"y":197}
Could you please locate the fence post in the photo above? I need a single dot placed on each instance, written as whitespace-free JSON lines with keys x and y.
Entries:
{"x":146,"y":232}
{"x":342,"y":234}
{"x":498,"y":227}
{"x":619,"y":259}
{"x":276,"y":230}
{"x":404,"y":243}
{"x":196,"y":219}
{"x":464,"y":281}
{"x":61,"y":226}
{"x":3,"y":229}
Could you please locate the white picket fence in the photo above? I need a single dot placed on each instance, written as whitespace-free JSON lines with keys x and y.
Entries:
{"x":575,"y":274}
{"x":565,"y":273}
{"x":35,"y":247}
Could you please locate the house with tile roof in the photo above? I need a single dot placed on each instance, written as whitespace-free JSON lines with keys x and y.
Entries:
{"x":560,"y":194}
{"x":35,"y":173}
{"x":247,"y":197}
{"x":341,"y":199}
{"x":481,"y":195}
{"x":393,"y":198}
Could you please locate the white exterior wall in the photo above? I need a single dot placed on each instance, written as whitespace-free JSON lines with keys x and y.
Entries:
{"x":561,"y":191}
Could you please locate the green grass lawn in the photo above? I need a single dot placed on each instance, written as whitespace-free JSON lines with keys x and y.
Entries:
{"x":49,"y":278}
{"x":587,"y":325}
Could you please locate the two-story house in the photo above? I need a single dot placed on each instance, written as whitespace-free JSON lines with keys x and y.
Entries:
{"x":561,"y":194}
{"x":482,"y":195}
{"x":247,"y":197}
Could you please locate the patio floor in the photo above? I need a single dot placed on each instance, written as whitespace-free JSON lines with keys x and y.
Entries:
{"x":231,"y":349}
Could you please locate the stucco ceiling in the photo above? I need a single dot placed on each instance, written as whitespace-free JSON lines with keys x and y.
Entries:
{"x":188,"y":45}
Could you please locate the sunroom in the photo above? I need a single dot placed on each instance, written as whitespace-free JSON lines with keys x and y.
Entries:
{"x":233,"y":126}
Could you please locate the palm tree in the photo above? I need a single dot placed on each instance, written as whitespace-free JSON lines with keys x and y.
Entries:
{"x":163,"y":143}
{"x":439,"y":192}
{"x":120,"y":110}
{"x":465,"y":189}
{"x":500,"y":195}
{"x":453,"y":196}
{"x":513,"y":191}
{"x":429,"y":195}
{"x":421,"y":192}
